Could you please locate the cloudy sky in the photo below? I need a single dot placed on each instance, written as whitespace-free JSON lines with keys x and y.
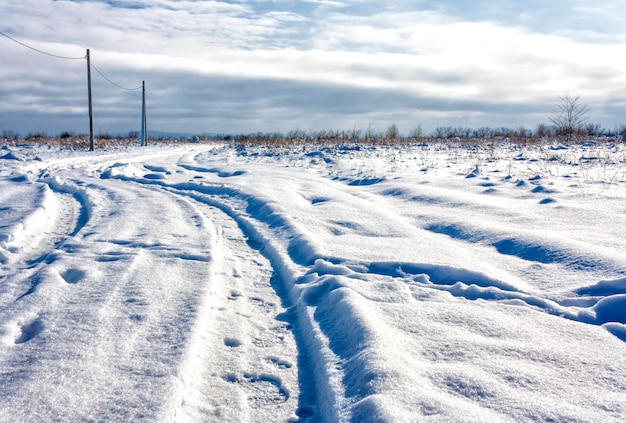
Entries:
{"x":275,"y":65}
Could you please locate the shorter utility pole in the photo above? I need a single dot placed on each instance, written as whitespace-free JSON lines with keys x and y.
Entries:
{"x":91,"y":146}
{"x":144,"y":125}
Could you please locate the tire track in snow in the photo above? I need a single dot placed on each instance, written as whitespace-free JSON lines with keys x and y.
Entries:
{"x":25,"y":334}
{"x":319,"y":379}
{"x":38,"y":231}
{"x":114,"y":308}
{"x":46,"y":252}
{"x":231,"y":324}
{"x":63,"y":217}
{"x":319,"y":382}
{"x":240,"y":360}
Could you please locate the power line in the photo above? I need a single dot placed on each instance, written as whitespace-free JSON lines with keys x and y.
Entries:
{"x":69,"y":58}
{"x":113,"y":83}
{"x":40,"y":51}
{"x":89,"y":66}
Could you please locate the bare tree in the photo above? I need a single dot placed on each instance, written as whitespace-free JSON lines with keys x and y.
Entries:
{"x":569,"y":116}
{"x":10,"y":135}
{"x":543,"y":130}
{"x":355,"y":134}
{"x":417,"y":133}
{"x":392,"y":133}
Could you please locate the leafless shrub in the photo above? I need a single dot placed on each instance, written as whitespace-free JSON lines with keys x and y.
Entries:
{"x":392,"y":133}
{"x":569,"y":116}
{"x":34,"y":136}
{"x":417,"y":133}
{"x":9,"y":135}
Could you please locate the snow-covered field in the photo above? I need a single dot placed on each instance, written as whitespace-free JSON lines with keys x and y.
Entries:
{"x":316,"y":283}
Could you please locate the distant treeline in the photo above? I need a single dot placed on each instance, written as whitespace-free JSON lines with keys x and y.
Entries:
{"x":417,"y":134}
{"x":391,"y":134}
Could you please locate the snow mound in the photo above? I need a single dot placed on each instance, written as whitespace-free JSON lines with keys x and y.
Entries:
{"x":12,"y":156}
{"x":603,"y":288}
{"x":611,"y":309}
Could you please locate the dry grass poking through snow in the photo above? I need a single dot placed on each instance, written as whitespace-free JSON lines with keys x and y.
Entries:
{"x":597,"y":159}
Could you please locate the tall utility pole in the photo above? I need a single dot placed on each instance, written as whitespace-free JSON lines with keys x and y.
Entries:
{"x":144,"y":126}
{"x":91,"y":146}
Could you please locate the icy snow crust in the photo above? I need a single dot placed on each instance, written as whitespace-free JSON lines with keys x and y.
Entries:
{"x":313,"y":283}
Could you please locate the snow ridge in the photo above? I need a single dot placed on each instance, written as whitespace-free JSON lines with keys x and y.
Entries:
{"x":316,"y":284}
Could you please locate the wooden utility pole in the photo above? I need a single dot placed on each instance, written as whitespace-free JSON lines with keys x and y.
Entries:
{"x":144,"y":126}
{"x":91,"y":146}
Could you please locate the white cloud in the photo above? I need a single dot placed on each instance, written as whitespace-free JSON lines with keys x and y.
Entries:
{"x":425,"y":55}
{"x":327,"y":3}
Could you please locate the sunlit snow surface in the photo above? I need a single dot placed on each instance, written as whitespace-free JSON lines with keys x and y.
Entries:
{"x":320,"y":283}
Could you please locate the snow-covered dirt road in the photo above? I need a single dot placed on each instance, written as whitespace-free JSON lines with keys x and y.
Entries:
{"x":322,"y":283}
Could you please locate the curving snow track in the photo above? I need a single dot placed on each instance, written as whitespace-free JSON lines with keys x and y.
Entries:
{"x":191,"y":285}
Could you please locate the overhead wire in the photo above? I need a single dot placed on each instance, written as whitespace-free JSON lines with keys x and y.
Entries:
{"x":40,"y":51}
{"x":70,"y":58}
{"x":91,"y":65}
{"x":113,"y":83}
